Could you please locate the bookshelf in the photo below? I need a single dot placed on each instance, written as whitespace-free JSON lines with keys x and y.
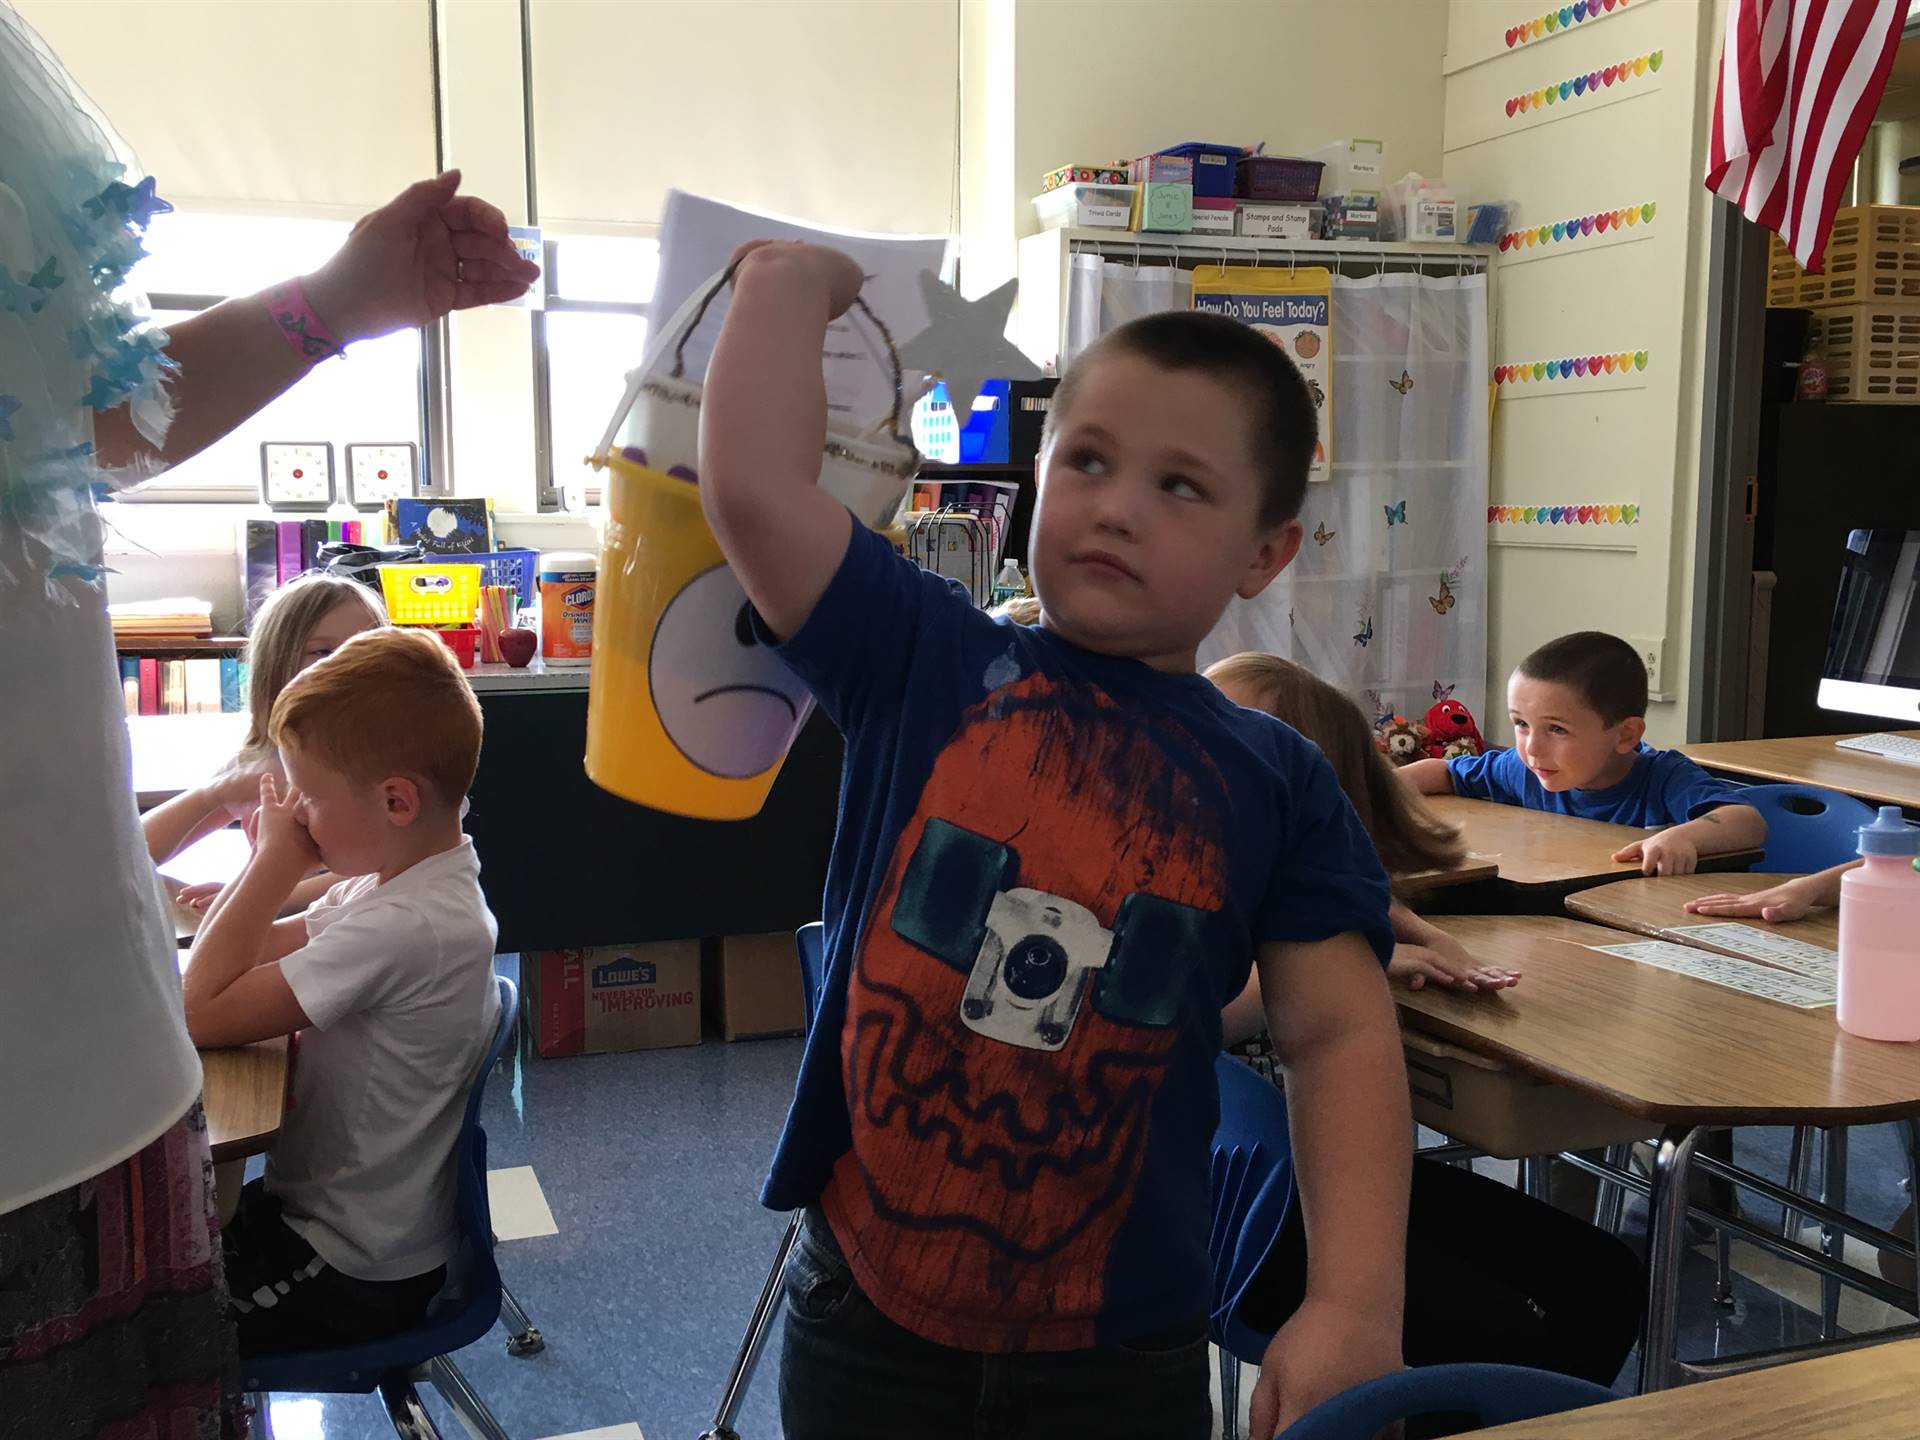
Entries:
{"x":215,"y":645}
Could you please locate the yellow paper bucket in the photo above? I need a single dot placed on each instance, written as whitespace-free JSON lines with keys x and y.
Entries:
{"x":690,"y":713}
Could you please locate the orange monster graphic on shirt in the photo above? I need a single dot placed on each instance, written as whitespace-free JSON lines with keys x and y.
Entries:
{"x":1013,"y":1004}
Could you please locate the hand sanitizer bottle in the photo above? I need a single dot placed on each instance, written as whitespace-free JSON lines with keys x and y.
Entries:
{"x":1880,"y":933}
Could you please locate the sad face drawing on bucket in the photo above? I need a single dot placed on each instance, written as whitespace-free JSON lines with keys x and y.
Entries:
{"x":1015,"y":998}
{"x":728,"y":703}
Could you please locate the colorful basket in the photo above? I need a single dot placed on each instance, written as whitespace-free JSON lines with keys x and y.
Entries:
{"x":441,"y":595}
{"x":518,"y":569}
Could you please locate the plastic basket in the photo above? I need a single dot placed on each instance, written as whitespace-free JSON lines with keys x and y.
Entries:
{"x":1872,"y":352}
{"x":518,"y":568}
{"x":1277,"y":177}
{"x":1872,"y":255}
{"x":1213,"y":165}
{"x":460,"y":639}
{"x":441,"y":595}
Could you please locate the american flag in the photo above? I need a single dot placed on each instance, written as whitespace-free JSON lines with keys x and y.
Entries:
{"x":1799,"y":82}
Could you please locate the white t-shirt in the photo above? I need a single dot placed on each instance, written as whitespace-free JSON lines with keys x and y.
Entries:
{"x":398,"y":982}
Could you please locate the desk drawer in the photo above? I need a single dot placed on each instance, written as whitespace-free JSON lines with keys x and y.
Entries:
{"x":1507,"y":1114}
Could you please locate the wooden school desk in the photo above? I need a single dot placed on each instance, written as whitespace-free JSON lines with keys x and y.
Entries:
{"x":1652,"y":906}
{"x":244,"y":1092}
{"x":1675,"y":1054}
{"x":1814,"y":760}
{"x":1471,"y":870}
{"x":1533,"y":849}
{"x":1866,"y":1394}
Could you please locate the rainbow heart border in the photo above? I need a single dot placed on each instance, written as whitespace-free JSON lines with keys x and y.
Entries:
{"x":1580,"y":227}
{"x":1626,"y":513}
{"x":1587,"y":85}
{"x":1581,"y":367}
{"x":1563,"y":19}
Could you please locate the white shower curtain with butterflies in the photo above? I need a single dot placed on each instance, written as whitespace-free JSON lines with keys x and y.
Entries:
{"x":1388,"y":598}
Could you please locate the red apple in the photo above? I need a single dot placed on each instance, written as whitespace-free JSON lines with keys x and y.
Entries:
{"x":517,"y":646}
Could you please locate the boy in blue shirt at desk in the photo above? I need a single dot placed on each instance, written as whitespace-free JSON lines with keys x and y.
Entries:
{"x":1578,"y":706}
{"x":1059,"y":851}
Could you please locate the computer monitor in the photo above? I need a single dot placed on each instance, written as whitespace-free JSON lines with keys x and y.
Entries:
{"x":1873,"y":647}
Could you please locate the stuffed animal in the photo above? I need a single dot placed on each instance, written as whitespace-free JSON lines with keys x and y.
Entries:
{"x":1451,"y":731}
{"x":1399,"y":739}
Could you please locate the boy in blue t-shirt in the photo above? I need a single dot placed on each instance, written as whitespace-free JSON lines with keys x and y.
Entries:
{"x":1578,"y":706}
{"x":1059,"y":852}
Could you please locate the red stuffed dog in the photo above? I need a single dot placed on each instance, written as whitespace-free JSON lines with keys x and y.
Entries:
{"x":1451,"y":731}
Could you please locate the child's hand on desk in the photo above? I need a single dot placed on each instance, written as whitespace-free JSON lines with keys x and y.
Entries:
{"x":1414,"y":965}
{"x":198,"y":896}
{"x":1667,"y":853}
{"x":1789,"y":900}
{"x":279,"y":837}
{"x":1323,"y":1350}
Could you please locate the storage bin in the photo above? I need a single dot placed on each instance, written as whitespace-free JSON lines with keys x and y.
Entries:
{"x":438,"y":594}
{"x":1873,"y":254}
{"x":1101,"y":207}
{"x":1213,"y":166}
{"x":1872,"y":352}
{"x":1161,"y":170}
{"x":517,"y":568}
{"x":1115,"y":174}
{"x":1277,"y":177}
{"x":1502,"y":1111}
{"x":1279,"y":222}
{"x":1352,"y":165}
{"x":460,"y":639}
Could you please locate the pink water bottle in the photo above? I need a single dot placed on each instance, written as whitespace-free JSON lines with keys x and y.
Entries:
{"x":1880,"y":933}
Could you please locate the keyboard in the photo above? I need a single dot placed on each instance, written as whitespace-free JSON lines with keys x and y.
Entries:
{"x":1904,"y":748}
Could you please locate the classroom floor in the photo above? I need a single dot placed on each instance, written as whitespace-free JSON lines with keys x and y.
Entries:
{"x":624,"y":1195}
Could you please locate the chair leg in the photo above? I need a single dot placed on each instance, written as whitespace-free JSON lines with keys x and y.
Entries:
{"x":1229,"y":1394}
{"x":747,"y":1357}
{"x":1536,"y":1177}
{"x":1799,"y":1176}
{"x":523,"y":1336}
{"x":1723,"y":1270}
{"x":1611,"y":1201}
{"x":1833,"y":1192}
{"x":472,"y":1411}
{"x":409,"y":1416}
{"x":1666,"y":1244}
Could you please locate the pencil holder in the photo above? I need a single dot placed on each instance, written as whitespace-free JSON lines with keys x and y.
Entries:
{"x":687,"y":710}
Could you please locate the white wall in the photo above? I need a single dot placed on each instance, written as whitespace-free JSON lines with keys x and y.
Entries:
{"x":1095,"y":80}
{"x":1570,"y":444}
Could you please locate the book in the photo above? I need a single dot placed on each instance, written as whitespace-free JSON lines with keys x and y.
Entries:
{"x":172,"y":618}
{"x":313,"y":536}
{"x":444,"y":527}
{"x":259,"y":567}
{"x":232,"y":695}
{"x":201,"y":683}
{"x":149,"y":685}
{"x":353,"y":530}
{"x":173,"y":687}
{"x":130,"y":692}
{"x":287,"y":556}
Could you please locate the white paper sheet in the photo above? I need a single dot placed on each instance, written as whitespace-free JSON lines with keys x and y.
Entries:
{"x":1768,"y":983}
{"x":1814,"y":961}
{"x":698,"y":236}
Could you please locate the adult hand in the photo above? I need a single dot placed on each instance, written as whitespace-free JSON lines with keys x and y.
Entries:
{"x":427,"y":251}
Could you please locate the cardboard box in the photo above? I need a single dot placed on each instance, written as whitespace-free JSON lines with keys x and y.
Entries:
{"x":1166,"y":208}
{"x":1212,"y":216}
{"x":753,"y":986}
{"x":1114,"y":174}
{"x":1162,"y":170}
{"x":613,"y":997}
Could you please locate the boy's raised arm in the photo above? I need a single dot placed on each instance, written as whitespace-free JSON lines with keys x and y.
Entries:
{"x":763,"y":420}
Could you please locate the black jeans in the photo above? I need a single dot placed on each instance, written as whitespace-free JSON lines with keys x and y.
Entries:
{"x":848,"y":1373}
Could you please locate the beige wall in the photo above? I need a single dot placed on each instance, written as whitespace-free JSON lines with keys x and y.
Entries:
{"x":1110,"y":79}
{"x":1555,"y":445}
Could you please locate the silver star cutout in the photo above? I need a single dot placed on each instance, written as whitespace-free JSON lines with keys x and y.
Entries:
{"x":965,"y":342}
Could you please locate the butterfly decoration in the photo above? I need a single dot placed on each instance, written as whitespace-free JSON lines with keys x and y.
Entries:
{"x":136,"y":204}
{"x":1444,"y":601}
{"x":1403,"y":384}
{"x":1396,"y":514}
{"x":8,"y":405}
{"x":1364,"y":635}
{"x":1319,"y":395}
{"x":1442,"y":692}
{"x":1378,"y":707}
{"x":48,"y":277}
{"x":1323,"y":535}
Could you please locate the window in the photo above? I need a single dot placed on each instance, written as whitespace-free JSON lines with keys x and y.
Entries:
{"x":196,"y":260}
{"x":595,"y":328}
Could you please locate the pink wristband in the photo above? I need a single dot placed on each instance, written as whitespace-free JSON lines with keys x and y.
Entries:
{"x":298,"y":325}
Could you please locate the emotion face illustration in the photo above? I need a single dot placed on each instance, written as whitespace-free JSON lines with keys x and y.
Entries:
{"x":727,"y":702}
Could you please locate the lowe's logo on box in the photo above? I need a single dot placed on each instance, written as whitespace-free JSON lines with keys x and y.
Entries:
{"x":624,"y":971}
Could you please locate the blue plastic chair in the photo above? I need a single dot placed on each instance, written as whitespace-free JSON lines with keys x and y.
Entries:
{"x":810,"y":942}
{"x":1808,"y":828}
{"x":1492,"y":1394}
{"x":464,"y":1310}
{"x":1252,"y":1188}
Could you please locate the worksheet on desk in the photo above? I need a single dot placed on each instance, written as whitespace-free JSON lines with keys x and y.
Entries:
{"x":1816,"y":962}
{"x":1788,"y":988}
